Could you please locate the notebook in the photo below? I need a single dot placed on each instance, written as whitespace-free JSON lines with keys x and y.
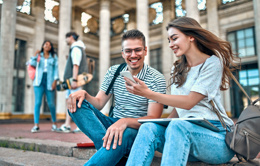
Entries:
{"x":165,"y":121}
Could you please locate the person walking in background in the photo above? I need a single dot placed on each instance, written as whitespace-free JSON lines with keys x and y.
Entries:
{"x":197,"y":78}
{"x":45,"y":82}
{"x":76,"y":64}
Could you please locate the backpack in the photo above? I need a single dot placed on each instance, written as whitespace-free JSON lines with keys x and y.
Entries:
{"x":244,"y":140}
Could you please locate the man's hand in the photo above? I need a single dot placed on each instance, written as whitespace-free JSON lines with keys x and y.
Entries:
{"x":115,"y":131}
{"x":74,"y":85}
{"x":71,"y":101}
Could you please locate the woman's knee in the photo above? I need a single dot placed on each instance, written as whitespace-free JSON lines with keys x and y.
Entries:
{"x":149,"y":128}
{"x":178,"y":126}
{"x":38,"y":103}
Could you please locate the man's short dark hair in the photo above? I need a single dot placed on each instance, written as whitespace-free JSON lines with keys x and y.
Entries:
{"x":133,"y":34}
{"x":73,"y":34}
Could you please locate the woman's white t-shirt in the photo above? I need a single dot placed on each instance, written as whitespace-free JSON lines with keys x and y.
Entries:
{"x":206,"y":80}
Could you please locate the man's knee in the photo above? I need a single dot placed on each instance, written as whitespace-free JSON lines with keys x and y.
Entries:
{"x":130,"y":133}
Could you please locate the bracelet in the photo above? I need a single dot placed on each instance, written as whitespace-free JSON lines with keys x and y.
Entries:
{"x":75,"y":80}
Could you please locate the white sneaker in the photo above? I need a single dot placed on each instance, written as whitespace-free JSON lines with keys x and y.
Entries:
{"x":77,"y":130}
{"x":35,"y":129}
{"x":54,"y":127}
{"x":63,"y":129}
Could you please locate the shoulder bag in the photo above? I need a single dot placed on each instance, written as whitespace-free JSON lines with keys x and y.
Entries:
{"x":32,"y":69}
{"x":244,"y":140}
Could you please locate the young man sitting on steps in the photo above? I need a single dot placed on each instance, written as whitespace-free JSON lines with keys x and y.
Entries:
{"x":113,"y":136}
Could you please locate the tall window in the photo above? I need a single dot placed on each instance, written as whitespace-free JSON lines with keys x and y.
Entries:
{"x":248,"y":77}
{"x":159,"y":12}
{"x":156,"y":59}
{"x":48,"y":16}
{"x":24,"y":7}
{"x":243,"y":42}
{"x":19,"y":76}
{"x":180,"y":10}
{"x":93,"y":86}
{"x":227,"y":1}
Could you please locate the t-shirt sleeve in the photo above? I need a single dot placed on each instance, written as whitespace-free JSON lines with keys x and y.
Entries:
{"x":158,"y":85}
{"x":108,"y":78}
{"x":209,"y":79}
{"x":76,"y":56}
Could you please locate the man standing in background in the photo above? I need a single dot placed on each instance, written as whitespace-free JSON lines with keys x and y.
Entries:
{"x":76,"y":64}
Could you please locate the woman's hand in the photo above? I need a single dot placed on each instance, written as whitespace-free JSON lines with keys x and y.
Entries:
{"x":53,"y":86}
{"x":71,"y":101}
{"x":138,"y":88}
{"x":37,"y":52}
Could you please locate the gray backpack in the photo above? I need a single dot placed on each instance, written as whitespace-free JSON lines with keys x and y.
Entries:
{"x":244,"y":140}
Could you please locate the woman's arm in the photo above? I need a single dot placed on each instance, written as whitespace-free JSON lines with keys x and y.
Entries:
{"x":181,"y":101}
{"x":173,"y":114}
{"x":56,"y":68}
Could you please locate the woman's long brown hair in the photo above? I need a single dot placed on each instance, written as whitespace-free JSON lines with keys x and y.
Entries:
{"x":207,"y":43}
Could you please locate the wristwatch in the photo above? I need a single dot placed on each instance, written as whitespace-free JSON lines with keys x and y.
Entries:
{"x":75,"y":80}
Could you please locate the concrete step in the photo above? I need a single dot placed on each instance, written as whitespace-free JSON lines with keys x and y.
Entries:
{"x":29,"y":149}
{"x":48,"y":146}
{"x":16,"y":157}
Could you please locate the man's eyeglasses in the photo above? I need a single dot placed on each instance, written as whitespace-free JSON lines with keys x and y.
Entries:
{"x":138,"y":51}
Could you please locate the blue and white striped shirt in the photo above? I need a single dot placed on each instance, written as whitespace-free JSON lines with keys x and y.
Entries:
{"x":128,"y":105}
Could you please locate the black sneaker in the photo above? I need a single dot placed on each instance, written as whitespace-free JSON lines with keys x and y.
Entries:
{"x":35,"y":129}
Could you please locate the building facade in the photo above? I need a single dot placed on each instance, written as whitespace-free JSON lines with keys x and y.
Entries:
{"x":237,"y":21}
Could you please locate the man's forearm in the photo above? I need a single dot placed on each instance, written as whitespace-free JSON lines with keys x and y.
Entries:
{"x":75,"y":71}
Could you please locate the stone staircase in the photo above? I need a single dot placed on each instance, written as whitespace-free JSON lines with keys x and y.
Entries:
{"x":25,"y":151}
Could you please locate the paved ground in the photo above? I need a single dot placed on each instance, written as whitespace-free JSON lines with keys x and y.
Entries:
{"x":22,"y":129}
{"x":52,"y":148}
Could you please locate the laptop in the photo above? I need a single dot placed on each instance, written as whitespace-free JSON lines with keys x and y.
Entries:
{"x":165,"y":121}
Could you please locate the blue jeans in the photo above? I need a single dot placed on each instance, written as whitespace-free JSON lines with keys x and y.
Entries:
{"x":95,"y":124}
{"x":50,"y":95}
{"x":180,"y":142}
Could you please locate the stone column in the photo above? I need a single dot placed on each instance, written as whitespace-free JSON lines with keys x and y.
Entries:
{"x":142,"y":17}
{"x":192,"y":9}
{"x":257,"y":29}
{"x":39,"y":28}
{"x":167,"y":54}
{"x":104,"y":43}
{"x":33,"y":44}
{"x":77,"y":27}
{"x":29,"y":92}
{"x":213,"y":26}
{"x":8,"y":24}
{"x":132,"y":19}
{"x":63,"y":51}
{"x":168,"y":58}
{"x":212,"y":16}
